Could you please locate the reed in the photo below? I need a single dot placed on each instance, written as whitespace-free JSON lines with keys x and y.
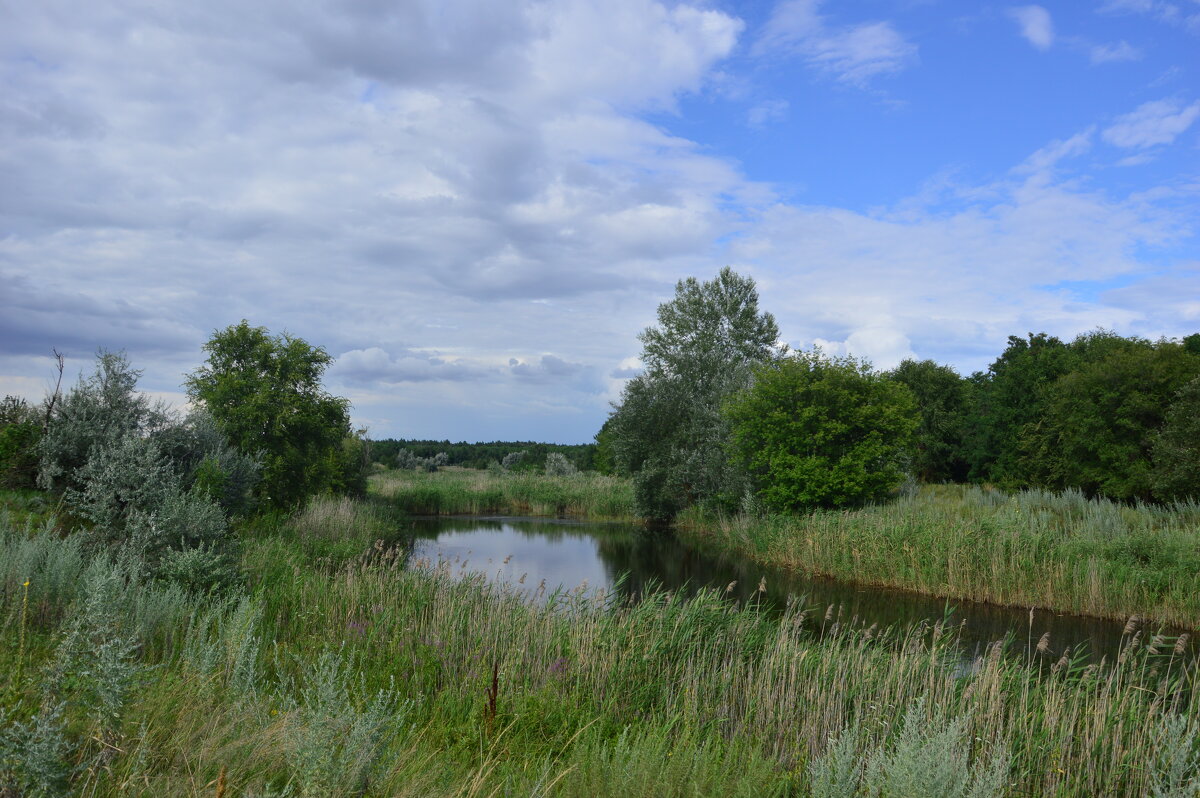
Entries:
{"x":1062,"y":552}
{"x":463,"y":491}
{"x":423,"y":683}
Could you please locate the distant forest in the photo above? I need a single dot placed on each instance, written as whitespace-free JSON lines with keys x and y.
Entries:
{"x":479,"y":455}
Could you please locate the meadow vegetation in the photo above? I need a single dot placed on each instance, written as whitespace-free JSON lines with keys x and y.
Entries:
{"x":213,"y":604}
{"x":334,"y":670}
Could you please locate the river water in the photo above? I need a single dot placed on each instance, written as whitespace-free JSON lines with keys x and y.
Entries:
{"x":540,"y":556}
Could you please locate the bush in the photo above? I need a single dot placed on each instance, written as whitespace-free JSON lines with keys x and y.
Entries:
{"x":20,"y":432}
{"x":557,"y":465}
{"x":99,"y":411}
{"x":817,"y":431}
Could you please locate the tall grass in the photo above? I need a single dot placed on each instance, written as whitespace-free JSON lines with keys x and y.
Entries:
{"x":362,"y":677}
{"x":1055,"y":551}
{"x":462,"y":491}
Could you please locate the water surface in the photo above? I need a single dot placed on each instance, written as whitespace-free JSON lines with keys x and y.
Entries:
{"x":542,"y":556}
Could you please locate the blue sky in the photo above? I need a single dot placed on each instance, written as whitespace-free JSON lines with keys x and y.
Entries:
{"x":476,"y":206}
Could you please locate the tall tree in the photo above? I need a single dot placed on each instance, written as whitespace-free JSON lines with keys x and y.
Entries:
{"x":1011,"y":398}
{"x":1103,"y":415}
{"x":943,"y":401}
{"x":265,"y":394}
{"x":668,"y":431}
{"x":1176,"y":447}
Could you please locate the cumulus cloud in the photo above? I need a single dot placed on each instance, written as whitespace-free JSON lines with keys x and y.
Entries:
{"x":850,"y":53}
{"x":961,"y":272}
{"x":1153,"y":123}
{"x":431,"y":190}
{"x":1035,"y":24}
{"x":374,"y":366}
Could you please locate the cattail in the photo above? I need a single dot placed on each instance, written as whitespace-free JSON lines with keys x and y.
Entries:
{"x":729,"y":587}
{"x":1131,"y":625}
{"x":829,"y":614}
{"x":871,"y":632}
{"x":1180,"y":644}
{"x":1044,"y":644}
{"x":1156,"y":642}
{"x":1063,"y":661}
{"x":762,"y":585}
{"x":221,"y":783}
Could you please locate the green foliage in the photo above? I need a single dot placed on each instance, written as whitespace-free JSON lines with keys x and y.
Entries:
{"x":557,"y":465}
{"x":335,"y":746}
{"x":20,"y":432}
{"x":944,"y":402}
{"x":207,"y":464}
{"x":926,"y":759}
{"x":479,"y":455}
{"x":1176,"y":447}
{"x":818,"y":431}
{"x":1011,"y":398}
{"x":121,"y":476}
{"x":265,"y":393}
{"x":34,"y":755}
{"x":97,"y":413}
{"x":668,"y":432}
{"x":1102,"y":416}
{"x":1177,"y":766}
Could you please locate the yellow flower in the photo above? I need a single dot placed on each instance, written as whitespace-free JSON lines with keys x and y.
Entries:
{"x":26,"y":583}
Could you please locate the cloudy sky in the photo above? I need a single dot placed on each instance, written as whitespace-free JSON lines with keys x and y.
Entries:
{"x":475,"y":206}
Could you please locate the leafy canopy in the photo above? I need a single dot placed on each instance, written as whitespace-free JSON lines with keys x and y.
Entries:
{"x":819,"y":431}
{"x":668,"y":432}
{"x":265,"y":393}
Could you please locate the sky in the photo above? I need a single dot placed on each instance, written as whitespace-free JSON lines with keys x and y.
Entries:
{"x":476,"y":206}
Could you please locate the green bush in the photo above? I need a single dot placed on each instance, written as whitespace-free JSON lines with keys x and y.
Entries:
{"x":818,"y":431}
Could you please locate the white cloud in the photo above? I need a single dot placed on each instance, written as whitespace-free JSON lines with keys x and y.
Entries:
{"x":953,"y":279}
{"x":1152,"y":123}
{"x":1035,"y":24}
{"x":432,"y":190}
{"x":1045,"y":159}
{"x":1111,"y":53}
{"x":767,"y":111}
{"x":1180,"y":14}
{"x":851,"y":53}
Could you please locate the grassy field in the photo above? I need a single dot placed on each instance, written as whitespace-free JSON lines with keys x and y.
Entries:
{"x":466,"y":491}
{"x":337,"y":672}
{"x":1059,"y":552}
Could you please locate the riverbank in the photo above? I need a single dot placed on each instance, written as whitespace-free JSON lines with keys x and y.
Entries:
{"x":460,"y":491}
{"x":336,"y":671}
{"x":1056,"y":552}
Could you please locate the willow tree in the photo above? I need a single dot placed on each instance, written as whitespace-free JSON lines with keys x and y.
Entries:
{"x":668,"y":432}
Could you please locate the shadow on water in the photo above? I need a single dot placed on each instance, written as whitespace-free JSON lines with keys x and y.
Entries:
{"x":625,"y":561}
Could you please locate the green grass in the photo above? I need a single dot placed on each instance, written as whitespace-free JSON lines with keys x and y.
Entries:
{"x":1058,"y":552}
{"x":462,"y":491}
{"x":349,"y":673}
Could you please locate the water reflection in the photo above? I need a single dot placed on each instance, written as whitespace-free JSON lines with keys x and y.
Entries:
{"x":526,"y":554}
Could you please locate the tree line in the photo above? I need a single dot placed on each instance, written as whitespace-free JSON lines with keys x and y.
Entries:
{"x":724,"y":416}
{"x":481,"y":455}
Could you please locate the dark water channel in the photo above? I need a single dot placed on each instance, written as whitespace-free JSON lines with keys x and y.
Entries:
{"x":539,"y":556}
